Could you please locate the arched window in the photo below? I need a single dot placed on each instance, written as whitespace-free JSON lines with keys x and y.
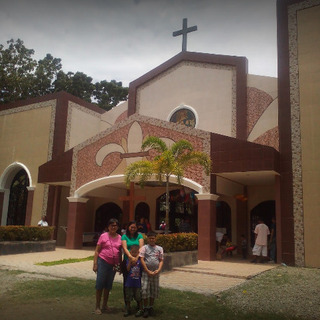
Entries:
{"x":18,"y":199}
{"x":104,"y":213}
{"x":184,"y":115}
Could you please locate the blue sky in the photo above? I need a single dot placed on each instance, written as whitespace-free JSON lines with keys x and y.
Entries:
{"x":123,"y":39}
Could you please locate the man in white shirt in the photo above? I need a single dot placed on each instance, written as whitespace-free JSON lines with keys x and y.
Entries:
{"x":261,"y":244}
{"x":43,"y":222}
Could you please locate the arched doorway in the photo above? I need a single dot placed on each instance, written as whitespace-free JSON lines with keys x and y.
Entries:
{"x":18,"y":199}
{"x":142,"y":211}
{"x":183,"y":204}
{"x":264,"y":210}
{"x":104,"y":213}
{"x":223,"y":212}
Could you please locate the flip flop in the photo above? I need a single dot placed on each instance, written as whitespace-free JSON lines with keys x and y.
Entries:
{"x":97,"y":311}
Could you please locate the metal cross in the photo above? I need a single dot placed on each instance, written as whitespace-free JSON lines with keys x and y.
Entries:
{"x":185,"y":30}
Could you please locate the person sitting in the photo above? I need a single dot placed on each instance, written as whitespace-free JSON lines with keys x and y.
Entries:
{"x":230,"y":247}
{"x":43,"y":222}
{"x":142,"y":227}
{"x":162,"y":225}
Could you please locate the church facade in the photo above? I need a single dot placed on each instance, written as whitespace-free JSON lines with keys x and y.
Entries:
{"x":65,"y":158}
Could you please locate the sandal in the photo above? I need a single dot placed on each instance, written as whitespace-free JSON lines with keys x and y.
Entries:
{"x":97,"y":311}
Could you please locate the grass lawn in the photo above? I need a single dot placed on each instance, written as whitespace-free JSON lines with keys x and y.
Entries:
{"x":75,"y":299}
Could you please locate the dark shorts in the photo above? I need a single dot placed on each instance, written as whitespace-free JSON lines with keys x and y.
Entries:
{"x":105,"y":275}
{"x":132,"y":293}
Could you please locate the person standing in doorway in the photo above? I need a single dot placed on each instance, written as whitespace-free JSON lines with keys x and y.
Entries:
{"x":261,"y":243}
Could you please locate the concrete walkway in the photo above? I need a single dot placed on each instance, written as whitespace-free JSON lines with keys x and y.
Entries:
{"x":206,"y":277}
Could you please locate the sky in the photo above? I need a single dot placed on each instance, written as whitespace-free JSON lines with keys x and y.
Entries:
{"x":123,"y":39}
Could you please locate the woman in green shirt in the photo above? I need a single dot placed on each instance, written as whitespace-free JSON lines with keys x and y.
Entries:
{"x":130,"y":238}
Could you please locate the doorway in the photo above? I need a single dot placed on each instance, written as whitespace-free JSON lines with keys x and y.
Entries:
{"x":104,"y":213}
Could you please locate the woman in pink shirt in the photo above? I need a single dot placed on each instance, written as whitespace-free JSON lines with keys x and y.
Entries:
{"x":107,"y":258}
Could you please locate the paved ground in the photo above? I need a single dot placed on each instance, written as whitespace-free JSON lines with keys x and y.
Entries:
{"x":206,"y":277}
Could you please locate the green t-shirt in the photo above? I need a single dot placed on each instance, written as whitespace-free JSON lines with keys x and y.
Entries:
{"x":131,"y":242}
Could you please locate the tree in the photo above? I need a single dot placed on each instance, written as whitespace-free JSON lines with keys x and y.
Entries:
{"x":169,"y":161}
{"x":109,"y":94}
{"x":16,"y":71}
{"x":45,"y":74}
{"x":23,"y":77}
{"x":78,"y":84}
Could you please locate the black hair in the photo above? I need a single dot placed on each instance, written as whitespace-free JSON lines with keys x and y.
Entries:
{"x":113,"y":220}
{"x":151,"y":234}
{"x":134,"y":247}
{"x":128,"y":232}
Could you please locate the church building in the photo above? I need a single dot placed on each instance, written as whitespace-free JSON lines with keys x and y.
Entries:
{"x":65,"y":158}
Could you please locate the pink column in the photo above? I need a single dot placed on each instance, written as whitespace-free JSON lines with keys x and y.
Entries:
{"x":207,"y":226}
{"x":76,"y":218}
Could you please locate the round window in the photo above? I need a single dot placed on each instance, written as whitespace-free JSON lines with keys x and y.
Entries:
{"x":184,"y":116}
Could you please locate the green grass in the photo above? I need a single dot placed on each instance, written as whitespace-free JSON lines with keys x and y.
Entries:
{"x":63,"y":261}
{"x":172,"y":304}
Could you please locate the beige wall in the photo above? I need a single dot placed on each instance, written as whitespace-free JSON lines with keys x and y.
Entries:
{"x":210,"y":95}
{"x":108,"y":118}
{"x":25,"y":139}
{"x":82,"y":124}
{"x":269,"y":118}
{"x":309,"y":79}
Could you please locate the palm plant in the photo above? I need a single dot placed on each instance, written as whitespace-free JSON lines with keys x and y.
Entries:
{"x":169,"y":161}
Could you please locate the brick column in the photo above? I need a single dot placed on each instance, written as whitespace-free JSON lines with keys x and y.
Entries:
{"x":29,"y":206}
{"x":76,"y":218}
{"x":207,"y":226}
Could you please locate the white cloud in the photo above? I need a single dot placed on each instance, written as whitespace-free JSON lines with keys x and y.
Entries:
{"x":123,"y":39}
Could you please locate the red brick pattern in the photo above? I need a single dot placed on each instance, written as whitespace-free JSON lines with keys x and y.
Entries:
{"x":258,"y":102}
{"x":270,"y":138}
{"x":85,"y":168}
{"x":123,"y":115}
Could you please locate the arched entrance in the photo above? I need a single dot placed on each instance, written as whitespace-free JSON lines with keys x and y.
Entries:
{"x":142,"y":211}
{"x":18,"y":199}
{"x":223,"y":212}
{"x":264,"y":210}
{"x":104,"y":213}
{"x":183,"y":204}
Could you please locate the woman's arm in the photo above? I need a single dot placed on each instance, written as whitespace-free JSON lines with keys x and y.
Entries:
{"x":125,"y":249}
{"x":95,"y":259}
{"x":141,"y":243}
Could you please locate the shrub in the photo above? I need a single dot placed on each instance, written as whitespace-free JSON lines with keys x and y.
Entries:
{"x":176,"y":241}
{"x":25,"y":233}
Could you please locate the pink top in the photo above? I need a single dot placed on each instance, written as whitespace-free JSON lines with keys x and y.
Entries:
{"x":262,"y":232}
{"x":110,"y":248}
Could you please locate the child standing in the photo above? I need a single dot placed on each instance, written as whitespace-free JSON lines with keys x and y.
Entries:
{"x":132,"y":284}
{"x":151,"y":257}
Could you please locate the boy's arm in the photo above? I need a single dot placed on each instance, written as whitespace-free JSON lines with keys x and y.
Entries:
{"x":159,"y":268}
{"x":145,"y":268}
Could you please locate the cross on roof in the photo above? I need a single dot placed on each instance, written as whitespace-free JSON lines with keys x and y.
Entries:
{"x":185,"y":30}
